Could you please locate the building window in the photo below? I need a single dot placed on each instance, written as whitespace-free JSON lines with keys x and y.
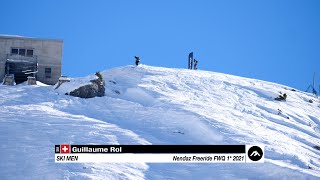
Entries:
{"x":29,"y":52}
{"x":22,"y":52}
{"x":14,"y":51}
{"x":47,"y":72}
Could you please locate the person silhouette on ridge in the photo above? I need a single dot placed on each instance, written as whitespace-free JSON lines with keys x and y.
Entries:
{"x":137,"y":60}
{"x":195,"y":64}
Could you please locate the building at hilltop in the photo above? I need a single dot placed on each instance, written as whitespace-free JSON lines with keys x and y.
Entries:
{"x":23,"y":57}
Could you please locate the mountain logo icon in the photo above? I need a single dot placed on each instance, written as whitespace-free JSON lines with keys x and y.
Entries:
{"x":255,"y":153}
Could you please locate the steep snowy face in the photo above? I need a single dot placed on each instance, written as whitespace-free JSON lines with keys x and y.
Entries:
{"x":153,"y":105}
{"x":227,"y":109}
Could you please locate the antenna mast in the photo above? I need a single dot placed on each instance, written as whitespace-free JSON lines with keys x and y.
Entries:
{"x":313,"y":85}
{"x":313,"y":82}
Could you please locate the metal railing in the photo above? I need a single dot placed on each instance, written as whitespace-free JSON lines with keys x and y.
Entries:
{"x":17,"y":57}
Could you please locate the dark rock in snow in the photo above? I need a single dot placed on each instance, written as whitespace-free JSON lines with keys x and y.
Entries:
{"x":95,"y":89}
{"x":179,"y":132}
{"x":113,"y":82}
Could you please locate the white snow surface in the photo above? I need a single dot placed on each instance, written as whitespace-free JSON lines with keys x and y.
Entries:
{"x":154,"y":105}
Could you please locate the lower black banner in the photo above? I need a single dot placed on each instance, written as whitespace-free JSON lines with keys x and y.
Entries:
{"x":65,"y":148}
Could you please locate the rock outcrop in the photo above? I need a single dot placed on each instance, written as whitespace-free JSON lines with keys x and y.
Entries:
{"x":95,"y":89}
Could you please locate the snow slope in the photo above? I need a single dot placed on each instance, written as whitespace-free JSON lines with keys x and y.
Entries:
{"x":154,"y":105}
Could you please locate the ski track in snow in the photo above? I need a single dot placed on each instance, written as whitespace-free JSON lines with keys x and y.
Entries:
{"x":153,"y":105}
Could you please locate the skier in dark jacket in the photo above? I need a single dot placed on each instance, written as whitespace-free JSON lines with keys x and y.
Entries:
{"x":137,"y":60}
{"x":195,"y":64}
{"x":281,"y":97}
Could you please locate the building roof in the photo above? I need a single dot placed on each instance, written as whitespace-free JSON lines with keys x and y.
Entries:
{"x":7,"y":36}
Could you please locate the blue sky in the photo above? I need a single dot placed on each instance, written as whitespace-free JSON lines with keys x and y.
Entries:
{"x":272,"y":40}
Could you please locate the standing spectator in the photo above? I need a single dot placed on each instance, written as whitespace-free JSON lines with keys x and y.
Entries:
{"x":195,"y":64}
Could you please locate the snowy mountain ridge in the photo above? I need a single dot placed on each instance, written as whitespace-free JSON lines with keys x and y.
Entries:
{"x":154,"y":105}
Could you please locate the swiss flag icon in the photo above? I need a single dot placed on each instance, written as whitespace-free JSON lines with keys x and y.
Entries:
{"x":65,"y":148}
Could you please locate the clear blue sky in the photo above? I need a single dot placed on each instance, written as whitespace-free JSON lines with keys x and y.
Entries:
{"x":272,"y":40}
